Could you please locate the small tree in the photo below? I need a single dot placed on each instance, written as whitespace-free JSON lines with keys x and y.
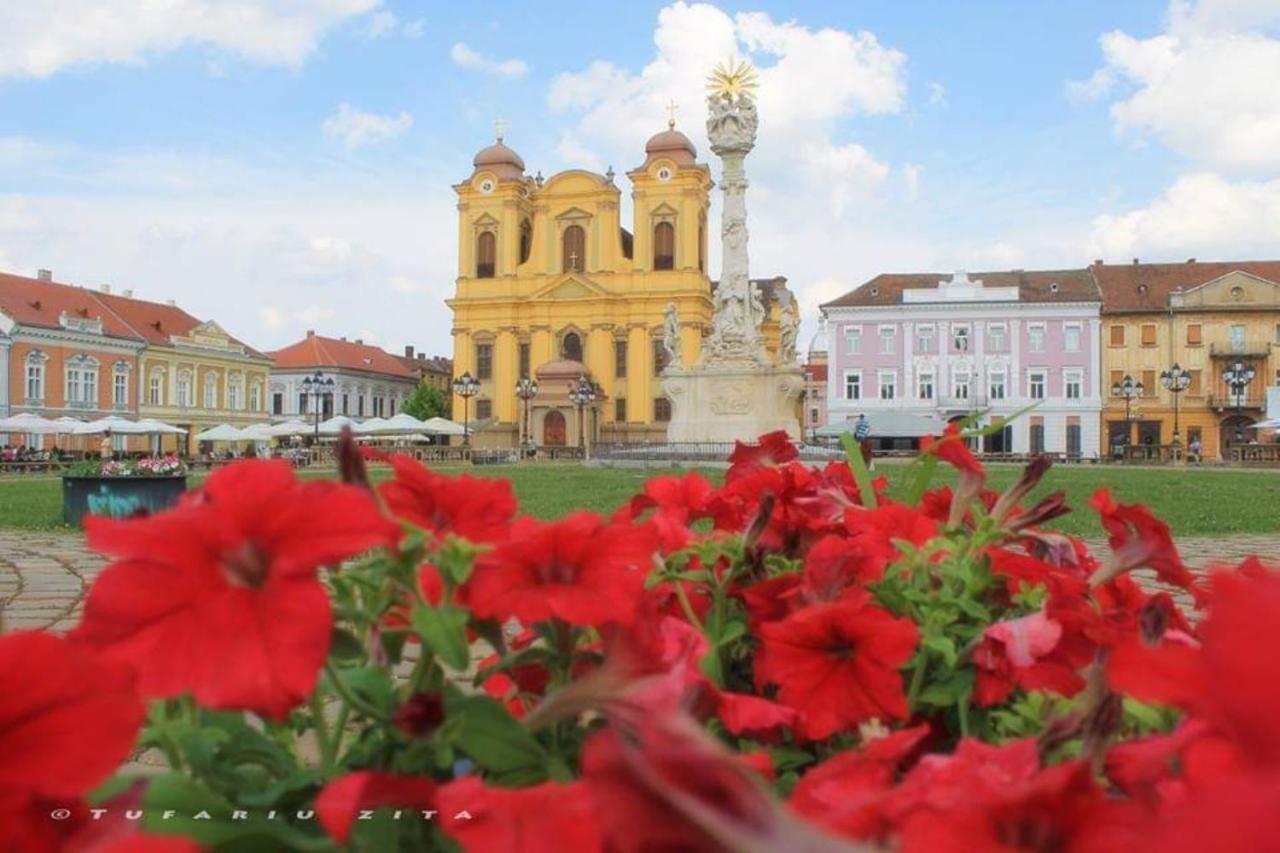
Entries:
{"x":426,"y":401}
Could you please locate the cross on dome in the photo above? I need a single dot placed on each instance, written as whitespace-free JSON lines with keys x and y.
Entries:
{"x":500,"y":128}
{"x":672,"y":107}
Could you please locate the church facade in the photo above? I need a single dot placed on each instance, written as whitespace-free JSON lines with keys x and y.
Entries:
{"x":552,"y":286}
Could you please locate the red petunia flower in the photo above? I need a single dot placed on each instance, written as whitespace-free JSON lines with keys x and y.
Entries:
{"x":582,"y":569}
{"x":677,"y":503}
{"x":475,"y":508}
{"x":952,"y":447}
{"x":219,"y":597}
{"x":1020,"y":653}
{"x":1138,"y":540}
{"x":68,"y":717}
{"x":546,"y":818}
{"x":773,"y":448}
{"x":837,"y":664}
{"x":341,"y":801}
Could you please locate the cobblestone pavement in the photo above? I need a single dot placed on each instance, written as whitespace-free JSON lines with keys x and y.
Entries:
{"x":43,"y":576}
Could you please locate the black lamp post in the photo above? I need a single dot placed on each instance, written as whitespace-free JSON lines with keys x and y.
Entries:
{"x":1128,"y":389}
{"x":1238,"y":376}
{"x":315,"y":387}
{"x":1175,"y":379}
{"x":582,"y":394}
{"x":466,"y":386}
{"x":526,"y":390}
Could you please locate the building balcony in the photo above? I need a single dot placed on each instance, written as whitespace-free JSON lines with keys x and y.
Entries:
{"x":1247,"y":349}
{"x":953,"y":403}
{"x":1250,"y":399}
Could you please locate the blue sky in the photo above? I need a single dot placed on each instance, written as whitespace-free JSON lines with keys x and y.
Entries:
{"x":280,"y":166}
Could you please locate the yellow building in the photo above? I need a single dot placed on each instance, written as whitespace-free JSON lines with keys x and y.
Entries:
{"x":551,"y":285}
{"x":1204,"y":317}
{"x":193,"y":374}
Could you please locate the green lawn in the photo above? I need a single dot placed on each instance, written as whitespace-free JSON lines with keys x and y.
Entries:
{"x":1208,"y":502}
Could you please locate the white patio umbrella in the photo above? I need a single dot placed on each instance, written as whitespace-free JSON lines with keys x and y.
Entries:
{"x":334,"y":425}
{"x":371,"y":426}
{"x":27,"y":422}
{"x":294,"y":427}
{"x":442,"y":426}
{"x":113,"y":424}
{"x":67,"y":424}
{"x":222,"y":432}
{"x":1270,"y":423}
{"x":255,"y":432}
{"x":402,"y":424}
{"x":156,"y":427}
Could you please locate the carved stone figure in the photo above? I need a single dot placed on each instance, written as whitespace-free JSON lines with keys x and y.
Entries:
{"x":788,"y":331}
{"x":671,"y":334}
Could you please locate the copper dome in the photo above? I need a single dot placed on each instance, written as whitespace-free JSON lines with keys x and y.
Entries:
{"x":500,"y":160}
{"x":673,"y":145}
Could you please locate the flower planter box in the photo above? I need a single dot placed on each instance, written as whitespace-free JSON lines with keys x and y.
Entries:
{"x":118,"y":497}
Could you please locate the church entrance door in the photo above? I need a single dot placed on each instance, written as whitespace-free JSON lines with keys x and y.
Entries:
{"x":553,"y":429}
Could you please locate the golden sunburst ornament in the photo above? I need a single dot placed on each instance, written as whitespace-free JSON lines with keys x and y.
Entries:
{"x":733,"y":79}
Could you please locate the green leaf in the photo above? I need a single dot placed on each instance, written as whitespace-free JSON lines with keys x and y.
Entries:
{"x":861,"y":475}
{"x":941,"y":645}
{"x":444,"y":630}
{"x":175,"y":804}
{"x":343,"y":646}
{"x":372,"y":684}
{"x":494,"y":740}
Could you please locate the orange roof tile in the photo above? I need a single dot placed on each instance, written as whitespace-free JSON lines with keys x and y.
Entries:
{"x":317,"y":351}
{"x":157,"y":321}
{"x":1146,"y":287}
{"x":31,"y":302}
{"x":1033,"y":286}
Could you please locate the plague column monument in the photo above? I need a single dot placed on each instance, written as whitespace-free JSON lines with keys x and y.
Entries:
{"x":735,"y":391}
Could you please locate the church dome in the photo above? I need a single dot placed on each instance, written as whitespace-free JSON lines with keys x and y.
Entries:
{"x":501,"y":160}
{"x":561,"y":369}
{"x":819,"y":342}
{"x":673,"y":145}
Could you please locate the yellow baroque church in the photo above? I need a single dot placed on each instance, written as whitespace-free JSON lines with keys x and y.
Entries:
{"x":552,"y":287}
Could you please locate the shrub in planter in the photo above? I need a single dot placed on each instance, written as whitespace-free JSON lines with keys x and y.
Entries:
{"x":122,"y":487}
{"x":794,"y":660}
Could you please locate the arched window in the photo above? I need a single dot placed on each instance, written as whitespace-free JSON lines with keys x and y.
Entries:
{"x":211,"y":390}
{"x":235,"y":388}
{"x":574,"y":248}
{"x":155,"y":392}
{"x":184,"y":388}
{"x":486,"y":254}
{"x":702,"y":247}
{"x":82,"y":382}
{"x":526,"y":239}
{"x":35,"y":376}
{"x":255,"y":397}
{"x":571,"y":347}
{"x":664,"y":246}
{"x":120,"y":385}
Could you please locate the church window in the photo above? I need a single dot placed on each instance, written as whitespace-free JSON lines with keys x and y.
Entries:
{"x":620,"y":358}
{"x":486,"y":254}
{"x":526,"y":240}
{"x":620,"y":409}
{"x":702,"y":247}
{"x":661,"y":409}
{"x":524,"y":359}
{"x":664,"y":246}
{"x":660,"y":357}
{"x":484,"y":361}
{"x":574,"y":248}
{"x":484,"y":410}
{"x":571,"y":347}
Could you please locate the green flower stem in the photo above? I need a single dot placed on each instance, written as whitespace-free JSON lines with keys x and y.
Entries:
{"x":322,"y":735}
{"x":350,"y":698}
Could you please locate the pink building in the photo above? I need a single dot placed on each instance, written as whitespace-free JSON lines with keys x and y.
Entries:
{"x":947,"y":347}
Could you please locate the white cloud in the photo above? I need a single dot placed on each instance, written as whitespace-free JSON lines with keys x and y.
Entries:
{"x":271,"y":317}
{"x":1096,"y":87}
{"x":937,"y":94}
{"x":414,"y":29}
{"x":38,"y":39}
{"x":468,"y":58}
{"x":313,"y":314}
{"x":1206,"y":91}
{"x":384,"y":23}
{"x":354,"y":128}
{"x":842,"y":74}
{"x":571,"y":150}
{"x":1202,"y":214}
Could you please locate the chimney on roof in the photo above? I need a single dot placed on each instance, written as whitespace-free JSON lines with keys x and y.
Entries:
{"x":311,"y":333}
{"x":173,"y":303}
{"x":422,"y":356}
{"x":105,"y":288}
{"x":1135,"y":262}
{"x":1191,"y":260}
{"x":359,"y":341}
{"x":44,"y":275}
{"x":408,"y":351}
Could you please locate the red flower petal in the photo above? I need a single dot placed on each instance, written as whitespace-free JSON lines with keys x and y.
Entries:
{"x":547,"y":818}
{"x":341,"y":801}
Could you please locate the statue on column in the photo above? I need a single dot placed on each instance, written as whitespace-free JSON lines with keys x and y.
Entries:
{"x":671,"y":334}
{"x":788,"y":330}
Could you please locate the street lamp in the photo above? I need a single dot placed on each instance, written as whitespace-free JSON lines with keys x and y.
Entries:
{"x":466,"y":386}
{"x":582,"y":394}
{"x":315,"y":387}
{"x":526,"y":390}
{"x":1128,"y":389}
{"x":1175,"y":379}
{"x":1238,"y":376}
